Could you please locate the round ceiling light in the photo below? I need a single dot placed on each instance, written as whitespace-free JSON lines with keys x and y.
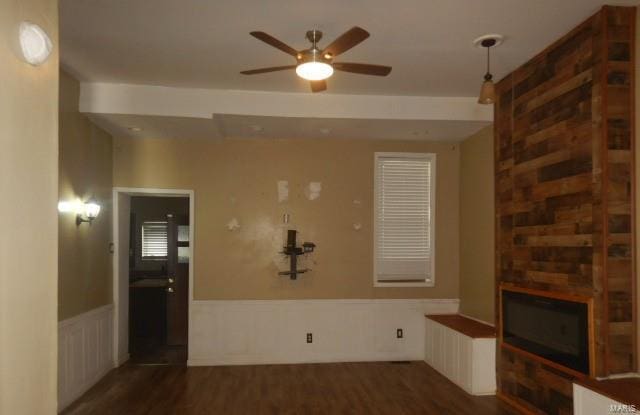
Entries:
{"x":35,"y":43}
{"x":314,"y":71}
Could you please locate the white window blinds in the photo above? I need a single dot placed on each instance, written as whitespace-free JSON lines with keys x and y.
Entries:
{"x":154,"y":239}
{"x":404,"y":201}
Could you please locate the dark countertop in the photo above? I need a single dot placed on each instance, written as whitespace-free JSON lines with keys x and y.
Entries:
{"x":464,"y":325}
{"x":623,"y":390}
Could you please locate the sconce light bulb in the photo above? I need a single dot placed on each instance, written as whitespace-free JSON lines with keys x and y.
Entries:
{"x":70,"y":206}
{"x":91,"y":210}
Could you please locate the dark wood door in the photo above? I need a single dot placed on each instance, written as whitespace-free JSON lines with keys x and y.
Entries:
{"x":178,"y":286}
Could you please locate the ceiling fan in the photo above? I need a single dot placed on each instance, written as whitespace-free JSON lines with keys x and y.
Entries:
{"x":315,"y":64}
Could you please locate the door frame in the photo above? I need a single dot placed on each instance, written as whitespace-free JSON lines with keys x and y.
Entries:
{"x":121,"y":307}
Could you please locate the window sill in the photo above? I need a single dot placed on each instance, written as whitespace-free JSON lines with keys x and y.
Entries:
{"x":403,"y":284}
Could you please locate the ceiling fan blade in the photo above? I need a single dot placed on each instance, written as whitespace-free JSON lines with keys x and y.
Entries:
{"x":270,"y":40}
{"x":265,"y":70}
{"x":318,"y":86}
{"x":362,"y":68}
{"x":345,"y":42}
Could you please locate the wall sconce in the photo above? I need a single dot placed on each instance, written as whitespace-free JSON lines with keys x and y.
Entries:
{"x":35,"y":43}
{"x":85,"y":211}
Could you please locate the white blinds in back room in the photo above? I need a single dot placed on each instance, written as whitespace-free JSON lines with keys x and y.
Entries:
{"x":154,"y":239}
{"x":404,"y":214}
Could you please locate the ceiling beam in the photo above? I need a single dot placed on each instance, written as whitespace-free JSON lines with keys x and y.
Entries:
{"x":106,"y":98}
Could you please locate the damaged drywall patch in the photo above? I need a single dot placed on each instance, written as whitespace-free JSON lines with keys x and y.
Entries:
{"x":357,"y":226}
{"x":312,"y":191}
{"x":283,"y":191}
{"x":233,"y":224}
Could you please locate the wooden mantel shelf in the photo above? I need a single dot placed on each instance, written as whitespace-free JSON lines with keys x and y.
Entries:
{"x":464,"y":325}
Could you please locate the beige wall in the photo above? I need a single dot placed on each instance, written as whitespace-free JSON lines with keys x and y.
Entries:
{"x":85,"y":164}
{"x":28,"y":218}
{"x":237,"y":179}
{"x":477,"y":277}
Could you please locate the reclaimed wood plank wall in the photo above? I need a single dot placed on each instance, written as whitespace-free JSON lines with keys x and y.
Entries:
{"x":564,"y":140}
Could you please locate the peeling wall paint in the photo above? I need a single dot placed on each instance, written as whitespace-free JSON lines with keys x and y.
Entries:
{"x":233,"y":224}
{"x":312,"y":191}
{"x":283,"y":191}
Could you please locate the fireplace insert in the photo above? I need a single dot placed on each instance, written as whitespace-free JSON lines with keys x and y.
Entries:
{"x":553,"y":329}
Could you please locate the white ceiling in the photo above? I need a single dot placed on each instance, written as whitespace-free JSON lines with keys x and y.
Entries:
{"x":204,"y":44}
{"x":243,"y":126}
{"x":114,"y":45}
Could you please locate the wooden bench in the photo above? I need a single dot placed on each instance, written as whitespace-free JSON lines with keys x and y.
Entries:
{"x":463,"y":350}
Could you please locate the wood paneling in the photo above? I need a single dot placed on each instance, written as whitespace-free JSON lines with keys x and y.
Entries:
{"x":564,"y":200}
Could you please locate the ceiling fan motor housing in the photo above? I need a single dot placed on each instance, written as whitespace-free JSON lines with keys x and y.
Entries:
{"x":313,"y":54}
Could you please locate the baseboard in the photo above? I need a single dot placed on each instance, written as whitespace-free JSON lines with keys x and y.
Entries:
{"x":84,"y":352}
{"x":123,"y":359}
{"x":248,"y":332}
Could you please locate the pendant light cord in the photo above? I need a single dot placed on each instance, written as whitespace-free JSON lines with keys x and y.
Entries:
{"x":488,"y":60}
{"x":488,"y":75}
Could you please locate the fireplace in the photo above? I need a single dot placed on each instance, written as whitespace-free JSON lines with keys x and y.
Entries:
{"x":553,"y":328}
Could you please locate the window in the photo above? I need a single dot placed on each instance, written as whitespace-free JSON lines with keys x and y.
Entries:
{"x":404,"y":219}
{"x":154,"y":240}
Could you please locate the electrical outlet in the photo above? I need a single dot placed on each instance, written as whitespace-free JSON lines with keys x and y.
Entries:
{"x":309,"y":337}
{"x":399,"y":333}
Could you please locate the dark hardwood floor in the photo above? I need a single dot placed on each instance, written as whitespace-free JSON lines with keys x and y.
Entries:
{"x":330,"y":388}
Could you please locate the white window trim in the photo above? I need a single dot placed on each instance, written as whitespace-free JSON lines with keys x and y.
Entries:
{"x":422,"y":156}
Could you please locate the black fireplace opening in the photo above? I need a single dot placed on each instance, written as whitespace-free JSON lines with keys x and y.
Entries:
{"x":556,"y":330}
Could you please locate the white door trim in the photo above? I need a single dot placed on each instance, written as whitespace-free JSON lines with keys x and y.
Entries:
{"x":154,"y":192}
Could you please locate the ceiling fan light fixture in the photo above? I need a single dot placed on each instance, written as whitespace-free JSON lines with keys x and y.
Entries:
{"x":315,"y":64}
{"x":314,"y":71}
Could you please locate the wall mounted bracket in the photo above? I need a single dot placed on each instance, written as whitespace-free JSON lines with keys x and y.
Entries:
{"x":293,"y":251}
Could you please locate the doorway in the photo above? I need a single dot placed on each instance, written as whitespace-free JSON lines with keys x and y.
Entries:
{"x":153,"y":275}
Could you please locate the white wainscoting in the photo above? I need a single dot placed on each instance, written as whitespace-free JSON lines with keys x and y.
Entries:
{"x":274,"y":331}
{"x":467,"y":362}
{"x":85,"y":355}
